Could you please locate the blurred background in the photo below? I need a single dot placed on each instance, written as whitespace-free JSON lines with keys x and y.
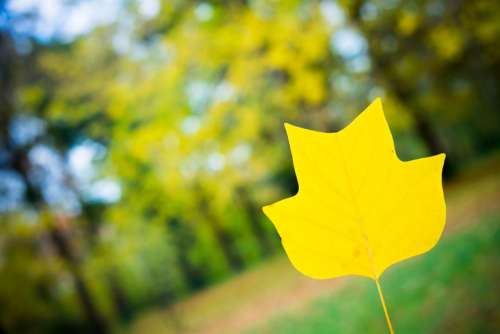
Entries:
{"x":139,"y":140}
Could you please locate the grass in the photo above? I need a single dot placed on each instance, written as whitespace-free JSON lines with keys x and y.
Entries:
{"x":455,"y":289}
{"x":452,"y":289}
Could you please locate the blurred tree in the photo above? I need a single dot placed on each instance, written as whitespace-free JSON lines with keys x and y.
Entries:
{"x":439,"y":60}
{"x":219,"y":103}
{"x":186,"y":108}
{"x":17,"y":159}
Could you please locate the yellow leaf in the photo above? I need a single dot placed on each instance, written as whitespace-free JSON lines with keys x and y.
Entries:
{"x":359,"y":209}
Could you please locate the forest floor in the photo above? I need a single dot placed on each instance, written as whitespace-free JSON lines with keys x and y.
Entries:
{"x":454,"y":288}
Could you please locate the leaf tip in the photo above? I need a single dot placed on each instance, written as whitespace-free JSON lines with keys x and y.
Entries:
{"x":377,"y":105}
{"x":289,"y":127}
{"x":265,"y":210}
{"x":377,"y":101}
{"x":292,"y":131}
{"x":375,"y":108}
{"x":441,"y":157}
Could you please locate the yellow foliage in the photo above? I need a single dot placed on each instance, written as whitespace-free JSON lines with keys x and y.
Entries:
{"x":447,"y":42}
{"x":408,"y":23}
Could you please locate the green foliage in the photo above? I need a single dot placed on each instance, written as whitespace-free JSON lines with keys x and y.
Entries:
{"x":189,"y":120}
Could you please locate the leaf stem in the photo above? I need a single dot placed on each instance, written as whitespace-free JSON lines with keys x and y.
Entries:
{"x":382,"y":300}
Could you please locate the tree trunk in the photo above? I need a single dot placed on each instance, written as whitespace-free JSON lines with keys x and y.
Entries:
{"x":20,"y":163}
{"x":424,"y":128}
{"x":119,"y":298}
{"x":93,"y":218}
{"x":224,"y":238}
{"x":425,"y":131}
{"x":382,"y":64}
{"x":267,"y":245}
{"x":61,"y":241}
{"x":182,"y":236}
{"x":7,"y":83}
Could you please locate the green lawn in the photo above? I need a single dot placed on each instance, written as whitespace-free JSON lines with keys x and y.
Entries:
{"x":455,"y":288}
